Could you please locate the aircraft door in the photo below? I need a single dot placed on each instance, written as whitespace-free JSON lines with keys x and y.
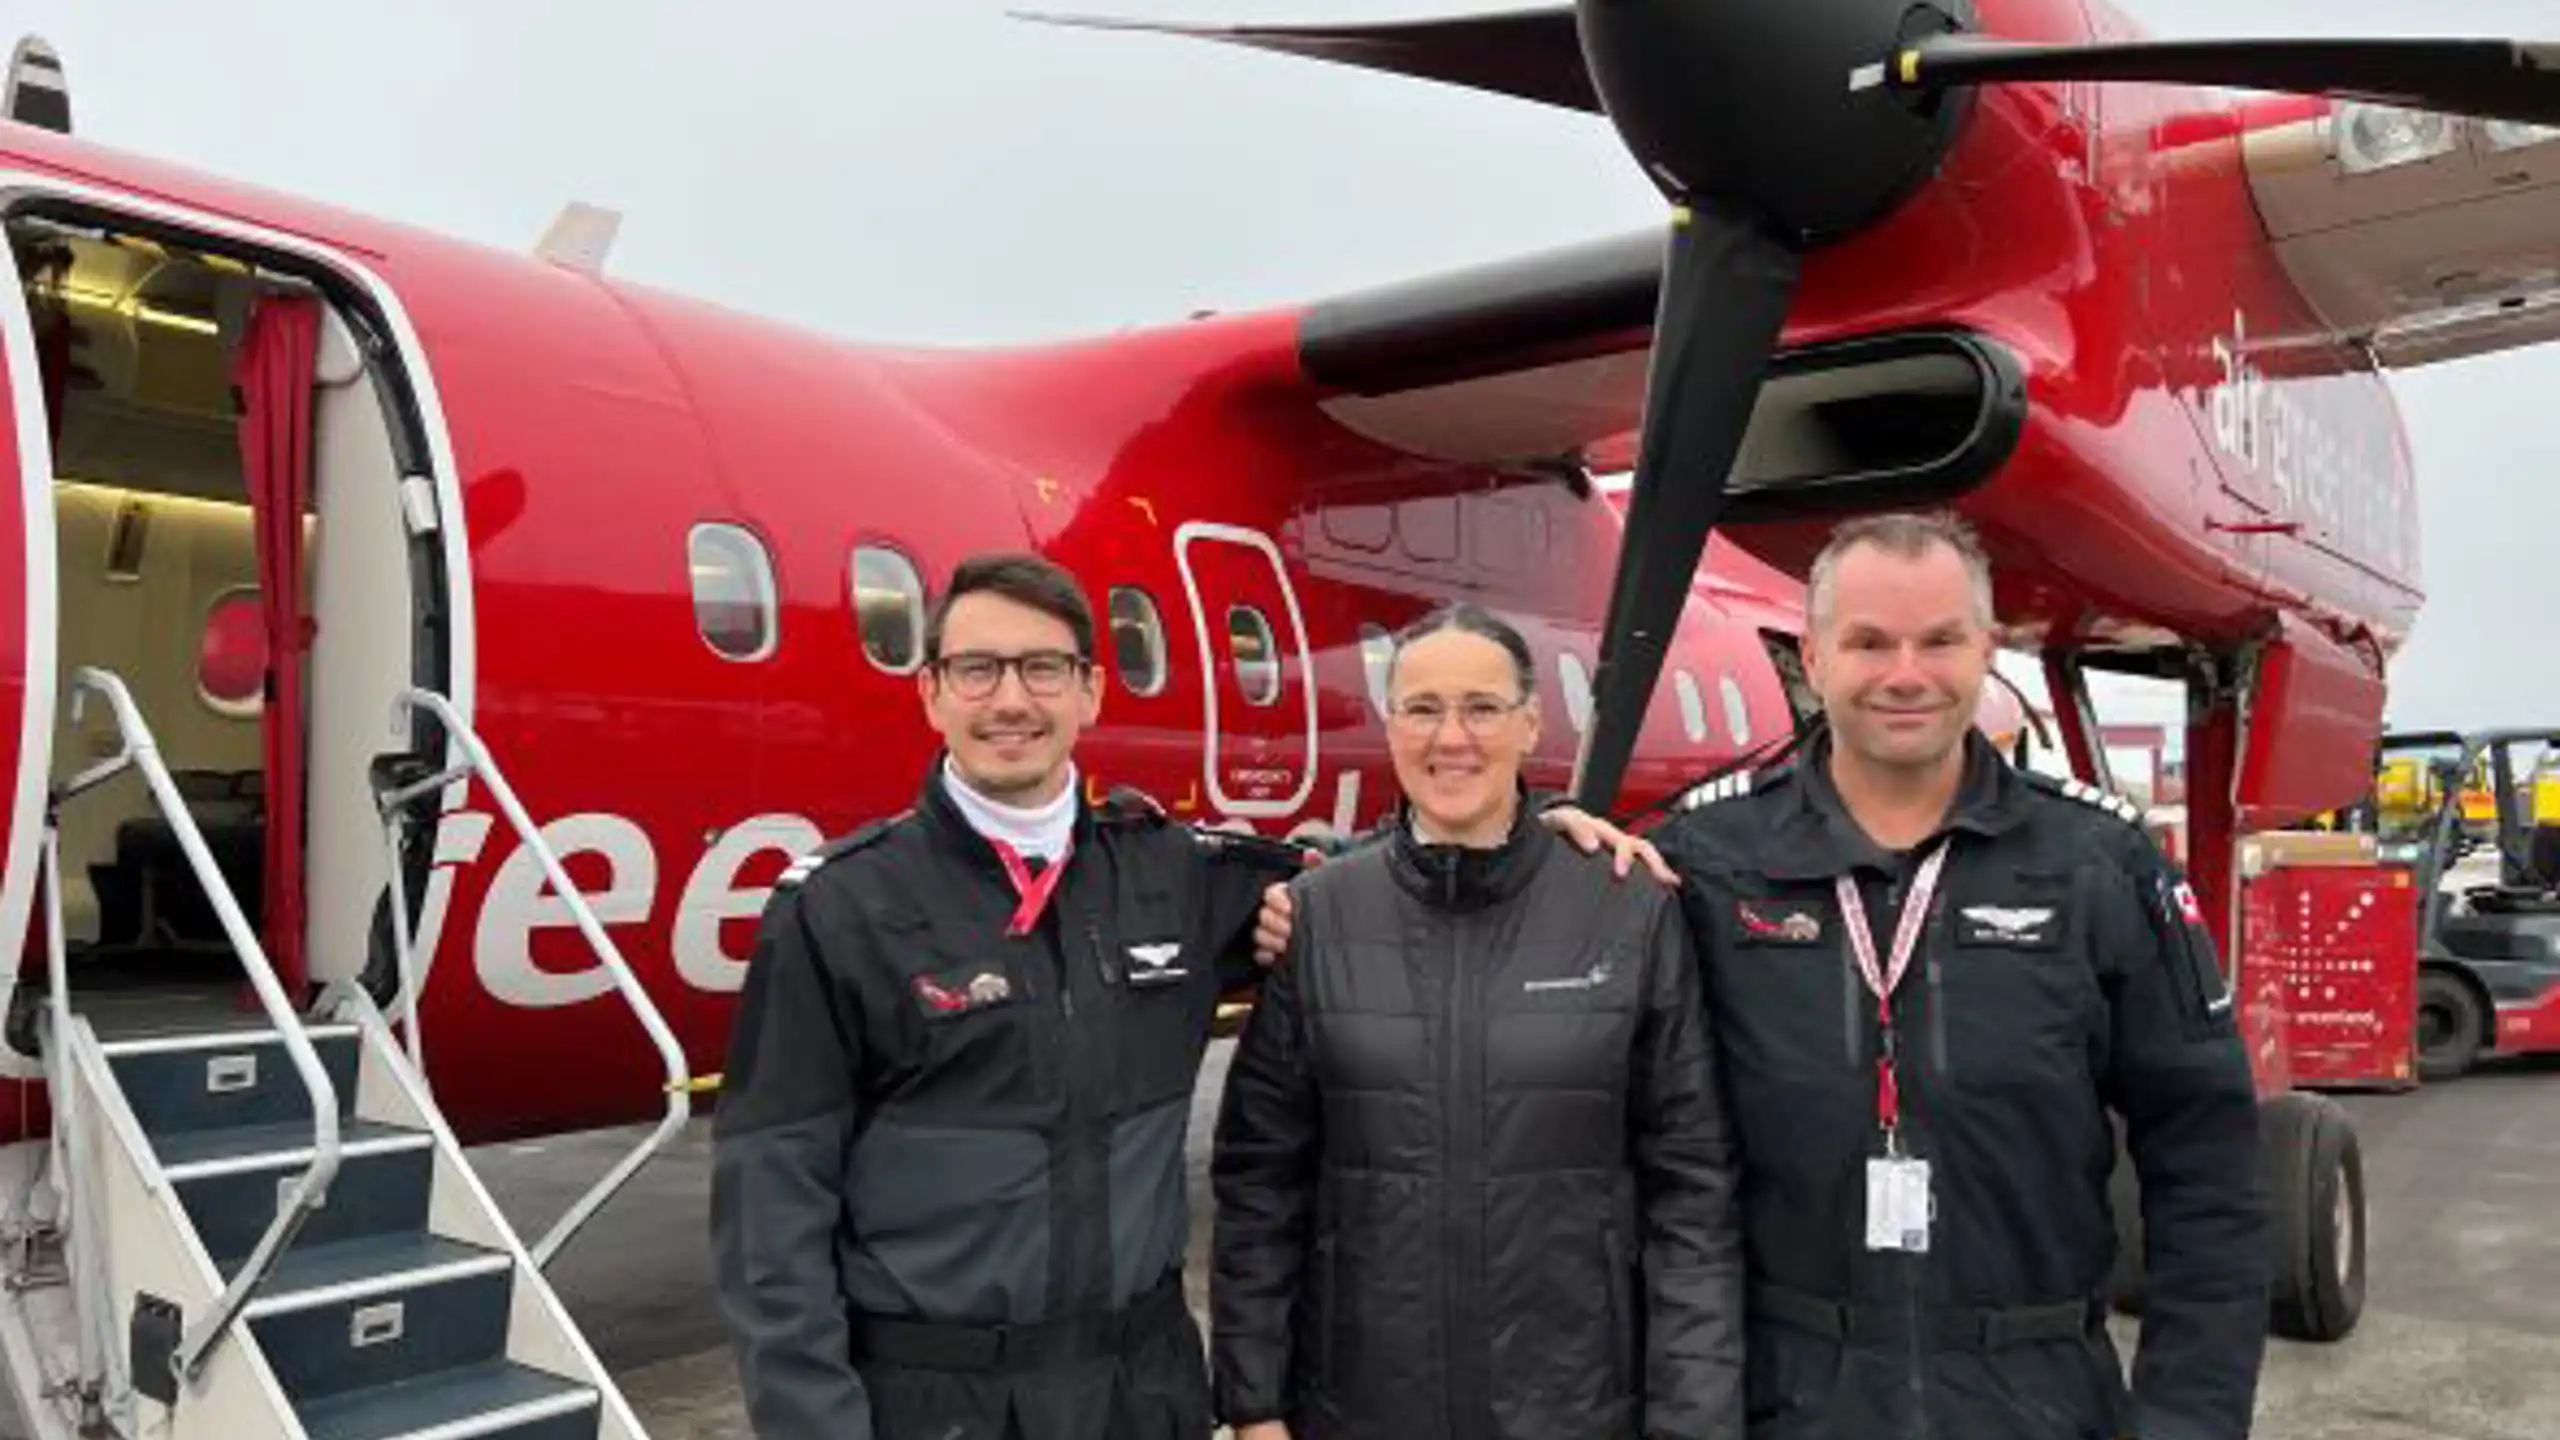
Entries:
{"x":27,"y":614}
{"x":1258,"y":745}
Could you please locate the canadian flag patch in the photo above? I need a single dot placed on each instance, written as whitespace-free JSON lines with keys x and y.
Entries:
{"x":2183,"y":896}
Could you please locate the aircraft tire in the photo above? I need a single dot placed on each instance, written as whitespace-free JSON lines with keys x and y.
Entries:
{"x":2315,"y":1181}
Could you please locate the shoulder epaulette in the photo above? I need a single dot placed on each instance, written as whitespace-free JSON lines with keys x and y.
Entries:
{"x":1128,"y":805}
{"x":806,"y":865}
{"x":2071,"y":788}
{"x":1731,"y":787}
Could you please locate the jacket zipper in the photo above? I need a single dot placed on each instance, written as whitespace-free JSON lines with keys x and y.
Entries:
{"x":1458,"y":1180}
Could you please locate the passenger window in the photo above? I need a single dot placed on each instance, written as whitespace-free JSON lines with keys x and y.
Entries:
{"x":231,"y":662}
{"x":1577,"y":689}
{"x":888,"y":608}
{"x":1377,"y":655}
{"x":1693,"y":706}
{"x":1737,"y":710}
{"x":1137,"y":640}
{"x":733,"y":594}
{"x":1256,"y":656}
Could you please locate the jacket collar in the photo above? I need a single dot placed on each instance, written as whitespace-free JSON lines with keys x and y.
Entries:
{"x":952,"y":832}
{"x":1460,"y":877}
{"x":1814,"y":837}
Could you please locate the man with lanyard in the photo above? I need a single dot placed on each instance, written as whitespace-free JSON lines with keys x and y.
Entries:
{"x":1934,"y":975}
{"x":1926,"y":1125}
{"x":947,"y":1190}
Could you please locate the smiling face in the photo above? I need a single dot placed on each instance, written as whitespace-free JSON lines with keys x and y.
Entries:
{"x":1458,"y":730}
{"x":1010,"y":728}
{"x":1899,"y":655}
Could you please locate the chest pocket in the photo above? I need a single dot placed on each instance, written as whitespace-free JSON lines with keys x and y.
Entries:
{"x":965,"y":1039}
{"x":1162,"y":988}
{"x":2018,"y":993}
{"x":1786,"y":1000}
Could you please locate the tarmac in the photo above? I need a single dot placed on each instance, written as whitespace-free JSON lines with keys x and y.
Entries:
{"x":2460,"y":1338}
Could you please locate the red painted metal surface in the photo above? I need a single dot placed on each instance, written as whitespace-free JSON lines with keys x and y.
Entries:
{"x":2104,"y":234}
{"x":2342,"y":942}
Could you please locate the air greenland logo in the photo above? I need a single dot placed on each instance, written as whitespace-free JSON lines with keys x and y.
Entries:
{"x":984,"y":988}
{"x":1782,"y":924}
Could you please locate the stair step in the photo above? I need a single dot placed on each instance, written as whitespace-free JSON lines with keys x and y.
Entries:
{"x":348,"y":1338}
{"x":228,"y":1079}
{"x":383,"y":1194}
{"x":310,"y":1275}
{"x":195,"y":1154}
{"x":496,"y":1399}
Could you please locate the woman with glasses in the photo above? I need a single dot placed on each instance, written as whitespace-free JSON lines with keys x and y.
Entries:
{"x":1473,"y":1173}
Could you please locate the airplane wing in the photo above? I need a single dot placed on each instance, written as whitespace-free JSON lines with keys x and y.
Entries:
{"x":2430,"y":235}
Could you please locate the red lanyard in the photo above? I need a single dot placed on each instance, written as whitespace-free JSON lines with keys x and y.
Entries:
{"x":1880,"y":980}
{"x":1034,"y":892}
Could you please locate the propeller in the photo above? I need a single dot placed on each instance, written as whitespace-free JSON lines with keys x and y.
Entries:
{"x":1777,"y":127}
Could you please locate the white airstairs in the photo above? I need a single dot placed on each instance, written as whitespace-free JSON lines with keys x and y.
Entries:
{"x":265,"y":1231}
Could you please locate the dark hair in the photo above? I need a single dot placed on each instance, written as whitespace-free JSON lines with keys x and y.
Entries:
{"x":1025,"y":579}
{"x":1904,"y":535}
{"x":1475,"y":620}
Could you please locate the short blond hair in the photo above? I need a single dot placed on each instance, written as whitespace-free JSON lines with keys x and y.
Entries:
{"x":1908,"y":535}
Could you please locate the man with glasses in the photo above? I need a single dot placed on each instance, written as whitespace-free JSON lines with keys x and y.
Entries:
{"x":947,"y":1191}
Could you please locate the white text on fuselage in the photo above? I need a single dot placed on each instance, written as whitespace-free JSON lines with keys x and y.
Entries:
{"x":519,"y":903}
{"x":2324,"y":444}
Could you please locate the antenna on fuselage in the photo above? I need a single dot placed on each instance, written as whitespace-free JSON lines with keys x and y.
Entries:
{"x":37,"y":94}
{"x":580,"y":237}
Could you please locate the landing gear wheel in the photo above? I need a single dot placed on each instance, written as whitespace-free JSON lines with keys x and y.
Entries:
{"x":2449,"y":1025}
{"x":2315,"y":1180}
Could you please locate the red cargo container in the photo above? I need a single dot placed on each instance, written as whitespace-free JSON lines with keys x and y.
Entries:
{"x":2339,"y":941}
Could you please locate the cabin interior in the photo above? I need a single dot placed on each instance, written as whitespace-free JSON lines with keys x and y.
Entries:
{"x":165,"y":371}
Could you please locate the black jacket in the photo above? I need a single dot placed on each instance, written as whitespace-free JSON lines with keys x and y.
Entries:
{"x":1472,"y":1169}
{"x":924,"y":1117}
{"x":2062,"y":976}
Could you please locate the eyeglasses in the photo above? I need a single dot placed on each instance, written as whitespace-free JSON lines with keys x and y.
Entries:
{"x":1420,"y":718}
{"x":1045,"y":673}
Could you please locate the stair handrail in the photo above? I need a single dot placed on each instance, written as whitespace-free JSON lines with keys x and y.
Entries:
{"x":476,"y":760}
{"x":140,"y":750}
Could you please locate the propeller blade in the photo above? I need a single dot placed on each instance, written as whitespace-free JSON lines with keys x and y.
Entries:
{"x":1534,"y":54}
{"x":2493,"y":79}
{"x":1727,"y":281}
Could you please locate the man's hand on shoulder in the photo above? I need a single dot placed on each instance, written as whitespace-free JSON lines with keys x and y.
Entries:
{"x":1589,"y":832}
{"x":1271,"y":926}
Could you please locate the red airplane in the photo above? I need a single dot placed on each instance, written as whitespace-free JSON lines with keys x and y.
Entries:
{"x":282,"y":466}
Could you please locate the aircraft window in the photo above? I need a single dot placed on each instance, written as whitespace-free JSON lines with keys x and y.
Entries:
{"x":231,"y":661}
{"x":1137,"y":640}
{"x":1737,"y":709}
{"x":1577,"y":689}
{"x":1256,"y":654}
{"x":1501,"y":534}
{"x":888,"y":608}
{"x":1693,"y":707}
{"x":1360,"y":527}
{"x":1377,"y":652}
{"x":733,"y":596}
{"x":1429,"y":526}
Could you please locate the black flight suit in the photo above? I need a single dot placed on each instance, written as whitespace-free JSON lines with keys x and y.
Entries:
{"x":947,"y":1195}
{"x":2063,"y":974}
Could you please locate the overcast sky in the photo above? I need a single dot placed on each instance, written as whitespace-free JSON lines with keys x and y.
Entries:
{"x":930,"y":170}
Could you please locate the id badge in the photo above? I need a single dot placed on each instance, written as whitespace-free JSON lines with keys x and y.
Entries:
{"x":1898,"y":1205}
